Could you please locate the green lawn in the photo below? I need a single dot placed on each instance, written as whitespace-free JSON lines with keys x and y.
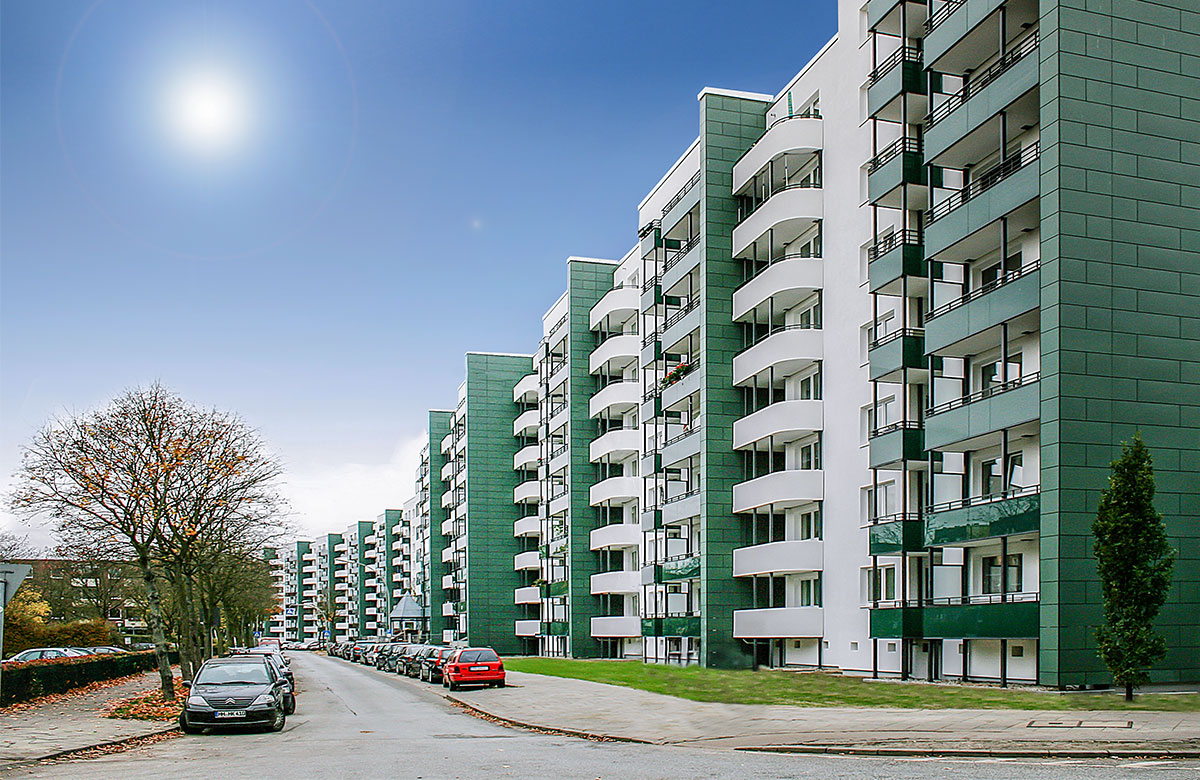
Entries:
{"x":814,"y":689}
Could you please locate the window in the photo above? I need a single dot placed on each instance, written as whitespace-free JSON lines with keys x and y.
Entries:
{"x":992,"y":574}
{"x":891,"y":647}
{"x":810,"y":387}
{"x":810,"y":456}
{"x":990,"y":477}
{"x":1018,"y":651}
{"x":810,"y":525}
{"x":808,"y":593}
{"x":883,"y":587}
{"x":1015,"y":473}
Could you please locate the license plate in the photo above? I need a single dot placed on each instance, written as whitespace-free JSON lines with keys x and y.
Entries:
{"x":232,"y":714}
{"x":478,"y":668}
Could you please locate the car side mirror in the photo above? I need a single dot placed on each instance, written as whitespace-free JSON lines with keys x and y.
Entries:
{"x":187,"y":683}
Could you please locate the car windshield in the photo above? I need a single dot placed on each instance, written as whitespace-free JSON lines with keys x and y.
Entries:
{"x":476,"y":656}
{"x":230,"y":674}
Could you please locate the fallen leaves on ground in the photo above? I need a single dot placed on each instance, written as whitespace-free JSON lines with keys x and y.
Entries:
{"x":117,"y":747}
{"x":148,"y":706}
{"x":82,"y":690}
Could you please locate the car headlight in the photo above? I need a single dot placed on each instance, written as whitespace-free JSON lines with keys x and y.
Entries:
{"x":198,"y":702}
{"x":261,"y":700}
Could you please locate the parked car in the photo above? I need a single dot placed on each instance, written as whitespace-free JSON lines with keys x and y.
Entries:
{"x":107,"y":649}
{"x":371,"y":653}
{"x":240,"y":690}
{"x":360,"y":651}
{"x":406,"y":658}
{"x":431,"y":663}
{"x":44,"y":653}
{"x":273,"y":653}
{"x":385,"y":659}
{"x":473,"y":666}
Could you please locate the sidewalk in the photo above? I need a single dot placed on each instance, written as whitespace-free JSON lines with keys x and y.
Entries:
{"x":72,"y":723}
{"x":615,"y":712}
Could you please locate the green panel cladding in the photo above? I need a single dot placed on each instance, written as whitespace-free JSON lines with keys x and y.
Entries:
{"x":304,"y":617}
{"x":1120,"y":305}
{"x":490,"y":449}
{"x":587,"y":282}
{"x":728,"y":127}
{"x":435,"y":569}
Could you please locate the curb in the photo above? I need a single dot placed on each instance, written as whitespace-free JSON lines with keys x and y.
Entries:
{"x":847,"y":750}
{"x":98,"y":746}
{"x":1148,"y":752}
{"x":476,"y":711}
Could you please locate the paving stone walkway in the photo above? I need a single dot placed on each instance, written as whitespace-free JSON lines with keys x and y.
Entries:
{"x":72,"y":723}
{"x":626,"y":713}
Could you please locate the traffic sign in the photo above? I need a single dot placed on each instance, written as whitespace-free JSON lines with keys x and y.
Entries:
{"x":12,"y":575}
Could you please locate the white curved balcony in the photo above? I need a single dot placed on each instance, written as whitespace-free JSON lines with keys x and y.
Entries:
{"x":526,"y":389}
{"x":530,"y":595}
{"x":618,"y":305}
{"x":448,"y":609}
{"x":788,"y":212}
{"x":797,"y":135}
{"x":524,"y":628}
{"x":780,"y":490}
{"x":616,"y":582}
{"x":617,"y":626}
{"x":616,"y":352}
{"x":778,"y":623}
{"x":447,"y":499}
{"x":528,"y":492}
{"x":615,"y":490}
{"x":527,"y":526}
{"x":619,"y":444}
{"x":527,"y":458}
{"x":616,"y":398}
{"x":526,"y":423}
{"x":787,"y":557}
{"x":530,"y":559}
{"x":784,"y":283}
{"x":784,"y":420}
{"x":616,"y":535}
{"x":787,"y":351}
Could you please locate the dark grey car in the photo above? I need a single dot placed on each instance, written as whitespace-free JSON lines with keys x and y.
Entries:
{"x":235,"y":691}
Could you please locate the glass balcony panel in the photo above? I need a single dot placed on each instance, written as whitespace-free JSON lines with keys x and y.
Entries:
{"x":976,"y":312}
{"x":985,"y":517}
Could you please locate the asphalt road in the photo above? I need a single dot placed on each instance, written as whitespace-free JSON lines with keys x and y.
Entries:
{"x":355,"y":722}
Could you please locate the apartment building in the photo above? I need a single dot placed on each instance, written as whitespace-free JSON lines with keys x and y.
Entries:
{"x":566,"y":483}
{"x":479,"y":550}
{"x":850,"y":399}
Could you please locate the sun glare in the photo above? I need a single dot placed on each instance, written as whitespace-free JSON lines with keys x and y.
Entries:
{"x":207,"y":111}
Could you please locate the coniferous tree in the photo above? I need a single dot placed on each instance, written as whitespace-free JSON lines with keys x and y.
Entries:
{"x":1135,"y":563}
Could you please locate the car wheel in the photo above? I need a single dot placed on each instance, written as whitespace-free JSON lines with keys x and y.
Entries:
{"x":186,"y":727}
{"x":280,"y":720}
{"x":500,"y":684}
{"x":453,"y":686}
{"x":289,"y":706}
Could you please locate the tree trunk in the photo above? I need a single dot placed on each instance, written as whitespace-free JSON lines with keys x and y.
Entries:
{"x":154,"y":617}
{"x":1128,"y":691}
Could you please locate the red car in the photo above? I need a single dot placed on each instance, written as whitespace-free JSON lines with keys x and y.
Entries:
{"x":473,"y":666}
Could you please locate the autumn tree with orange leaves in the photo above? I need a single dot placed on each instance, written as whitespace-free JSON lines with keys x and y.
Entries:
{"x":163,"y":484}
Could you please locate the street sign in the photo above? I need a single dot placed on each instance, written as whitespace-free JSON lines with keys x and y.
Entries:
{"x":327,"y":633}
{"x":12,"y":575}
{"x":257,"y":634}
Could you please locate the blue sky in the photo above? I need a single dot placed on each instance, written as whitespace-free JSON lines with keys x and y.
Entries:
{"x":403,"y":184}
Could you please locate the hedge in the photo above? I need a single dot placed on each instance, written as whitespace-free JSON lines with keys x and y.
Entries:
{"x":28,"y":680}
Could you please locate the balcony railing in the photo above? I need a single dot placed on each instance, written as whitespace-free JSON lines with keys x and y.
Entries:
{"x":894,"y":150}
{"x":982,"y":290}
{"x":985,"y":181}
{"x":895,"y":335}
{"x":681,"y":436}
{"x":976,"y":84}
{"x":773,"y":331}
{"x":683,"y":191}
{"x":942,"y":14}
{"x":653,"y":280}
{"x":649,"y":227}
{"x":680,"y":497}
{"x":987,"y":392}
{"x":948,"y":601}
{"x":903,"y":54}
{"x":893,"y":240}
{"x":746,"y":209}
{"x":678,"y":254}
{"x":990,"y":498}
{"x":556,"y":326}
{"x":679,"y":315}
{"x":812,"y":113}
{"x":901,"y":425}
{"x":896,"y":517}
{"x":805,"y":254}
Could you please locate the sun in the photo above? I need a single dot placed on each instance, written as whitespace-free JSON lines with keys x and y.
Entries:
{"x":207,"y":111}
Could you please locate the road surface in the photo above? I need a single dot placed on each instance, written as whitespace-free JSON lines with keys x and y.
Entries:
{"x":355,"y":722}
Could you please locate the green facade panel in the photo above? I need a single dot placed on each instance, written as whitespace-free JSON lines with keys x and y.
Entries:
{"x":1018,"y":515}
{"x":997,"y":412}
{"x":985,"y":311}
{"x":1120,"y":297}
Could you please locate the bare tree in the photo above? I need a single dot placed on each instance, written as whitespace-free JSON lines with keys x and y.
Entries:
{"x":15,"y":548}
{"x":146,"y":479}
